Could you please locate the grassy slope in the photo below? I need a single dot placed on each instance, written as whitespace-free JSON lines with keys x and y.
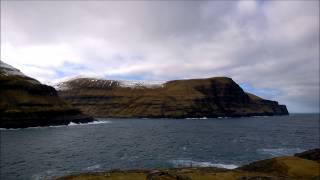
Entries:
{"x":25,"y":102}
{"x":24,"y":94}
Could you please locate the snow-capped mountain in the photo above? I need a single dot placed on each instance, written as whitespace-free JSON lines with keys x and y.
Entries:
{"x":98,"y":82}
{"x":188,"y":98}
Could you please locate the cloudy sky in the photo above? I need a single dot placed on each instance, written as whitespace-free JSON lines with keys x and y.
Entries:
{"x":268,"y":47}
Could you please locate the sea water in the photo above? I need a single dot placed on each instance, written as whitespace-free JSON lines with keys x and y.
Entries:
{"x":46,"y":152}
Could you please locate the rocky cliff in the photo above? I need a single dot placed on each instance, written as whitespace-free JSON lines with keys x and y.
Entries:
{"x":25,"y":102}
{"x":192,"y":98}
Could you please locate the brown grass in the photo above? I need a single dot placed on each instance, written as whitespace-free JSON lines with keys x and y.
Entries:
{"x":281,"y":168}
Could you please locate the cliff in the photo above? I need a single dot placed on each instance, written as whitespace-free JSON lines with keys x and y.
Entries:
{"x":192,"y":98}
{"x":25,"y":102}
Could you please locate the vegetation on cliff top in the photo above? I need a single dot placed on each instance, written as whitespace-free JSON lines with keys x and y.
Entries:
{"x":211,"y":97}
{"x":25,"y":102}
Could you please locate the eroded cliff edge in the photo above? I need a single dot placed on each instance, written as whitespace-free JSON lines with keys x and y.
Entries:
{"x":25,"y":102}
{"x":191,"y":98}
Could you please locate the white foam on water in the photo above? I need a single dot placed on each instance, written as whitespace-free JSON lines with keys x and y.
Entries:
{"x":99,"y":122}
{"x":198,"y":118}
{"x":89,"y":123}
{"x":191,"y":163}
{"x":72,"y":124}
{"x":49,"y":174}
{"x":279,"y":151}
{"x":57,"y":126}
{"x":9,"y":129}
{"x":92,"y":168}
{"x":260,"y":116}
{"x":16,"y":129}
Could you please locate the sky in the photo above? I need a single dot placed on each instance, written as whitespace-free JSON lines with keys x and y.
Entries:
{"x":270,"y":48}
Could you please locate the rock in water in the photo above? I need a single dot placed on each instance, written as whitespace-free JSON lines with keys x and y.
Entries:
{"x":25,"y":102}
{"x":192,"y":98}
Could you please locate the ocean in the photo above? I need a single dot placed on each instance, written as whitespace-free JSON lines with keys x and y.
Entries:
{"x":47,"y":152}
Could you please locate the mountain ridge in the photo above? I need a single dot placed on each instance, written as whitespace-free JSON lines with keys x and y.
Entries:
{"x":25,"y":98}
{"x":187,"y":98}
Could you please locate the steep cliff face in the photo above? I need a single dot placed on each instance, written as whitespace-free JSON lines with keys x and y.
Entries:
{"x":25,"y":102}
{"x":193,"y":98}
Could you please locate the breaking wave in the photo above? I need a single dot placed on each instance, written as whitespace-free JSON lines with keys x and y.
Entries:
{"x":198,"y":118}
{"x":49,"y":174}
{"x":9,"y":129}
{"x":70,"y":124}
{"x":279,"y":151}
{"x":92,"y":168}
{"x":191,"y":163}
{"x":89,"y":123}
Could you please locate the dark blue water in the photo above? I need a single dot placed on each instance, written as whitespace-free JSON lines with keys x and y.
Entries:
{"x":41,"y":153}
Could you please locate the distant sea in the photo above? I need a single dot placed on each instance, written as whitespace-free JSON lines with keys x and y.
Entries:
{"x":46,"y":152}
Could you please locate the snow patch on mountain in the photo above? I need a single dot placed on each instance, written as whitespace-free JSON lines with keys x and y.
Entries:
{"x":9,"y":70}
{"x":104,"y":83}
{"x":141,"y":83}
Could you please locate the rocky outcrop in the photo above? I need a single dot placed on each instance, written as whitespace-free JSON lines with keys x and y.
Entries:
{"x":25,"y":102}
{"x":313,"y":154}
{"x":192,"y":98}
{"x":291,"y":167}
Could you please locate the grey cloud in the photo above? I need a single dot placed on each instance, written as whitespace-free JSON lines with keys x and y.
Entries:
{"x":267,"y":44}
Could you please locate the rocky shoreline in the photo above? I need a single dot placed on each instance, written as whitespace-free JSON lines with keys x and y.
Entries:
{"x":301,"y":166}
{"x":42,"y":118}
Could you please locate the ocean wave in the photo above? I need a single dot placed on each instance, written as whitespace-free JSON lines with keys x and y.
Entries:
{"x":279,"y":151}
{"x":89,"y":123}
{"x":54,"y":173}
{"x":198,"y":118}
{"x":92,"y":168}
{"x":191,"y":163}
{"x":49,"y":174}
{"x":57,"y":126}
{"x":260,"y":116}
{"x":16,"y":129}
{"x":9,"y":129}
{"x":220,"y":117}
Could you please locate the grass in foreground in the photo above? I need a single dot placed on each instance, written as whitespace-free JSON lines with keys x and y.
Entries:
{"x":280,"y":168}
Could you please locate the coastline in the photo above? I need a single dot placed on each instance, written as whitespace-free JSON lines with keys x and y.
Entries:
{"x":300,"y":166}
{"x":83,"y":120}
{"x":151,"y":144}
